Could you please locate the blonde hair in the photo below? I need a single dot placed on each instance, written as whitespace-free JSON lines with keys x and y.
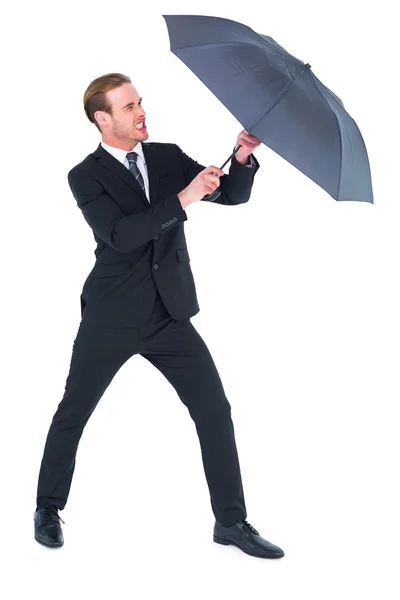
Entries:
{"x":95,"y":97}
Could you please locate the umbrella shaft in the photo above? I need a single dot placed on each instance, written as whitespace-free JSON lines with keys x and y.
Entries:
{"x":231,"y":156}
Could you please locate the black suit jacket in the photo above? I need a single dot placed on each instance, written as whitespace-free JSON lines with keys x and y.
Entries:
{"x":141,"y":247}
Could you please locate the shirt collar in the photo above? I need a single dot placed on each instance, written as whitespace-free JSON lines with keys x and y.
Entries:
{"x":120,"y":154}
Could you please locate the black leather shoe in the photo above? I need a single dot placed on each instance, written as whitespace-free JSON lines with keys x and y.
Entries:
{"x":47,"y":527}
{"x":245,"y":537}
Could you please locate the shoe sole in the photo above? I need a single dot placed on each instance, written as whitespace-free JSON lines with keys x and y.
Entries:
{"x":48,"y":545}
{"x":219,"y":540}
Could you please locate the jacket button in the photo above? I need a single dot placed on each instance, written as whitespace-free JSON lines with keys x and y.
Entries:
{"x":175,"y":219}
{"x":171,"y":222}
{"x":156,"y":237}
{"x":167,"y":224}
{"x":163,"y":226}
{"x":155,"y":266}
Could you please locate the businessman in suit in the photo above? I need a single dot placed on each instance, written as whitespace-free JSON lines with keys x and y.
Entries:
{"x":139,"y":298}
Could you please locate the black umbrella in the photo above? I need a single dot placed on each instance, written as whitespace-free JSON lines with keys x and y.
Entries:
{"x":278,"y":99}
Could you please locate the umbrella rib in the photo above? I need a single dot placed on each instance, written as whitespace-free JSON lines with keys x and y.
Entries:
{"x":295,"y":61}
{"x":322,"y":95}
{"x":280,"y":96}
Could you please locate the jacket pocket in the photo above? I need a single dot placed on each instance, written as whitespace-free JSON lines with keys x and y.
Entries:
{"x":183,"y":255}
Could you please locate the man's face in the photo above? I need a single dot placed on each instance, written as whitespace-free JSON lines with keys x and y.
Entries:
{"x":127,"y":115}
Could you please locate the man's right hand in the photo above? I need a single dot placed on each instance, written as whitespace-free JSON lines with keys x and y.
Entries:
{"x":204,"y":183}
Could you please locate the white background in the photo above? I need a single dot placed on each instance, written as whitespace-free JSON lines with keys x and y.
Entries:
{"x":299,"y":302}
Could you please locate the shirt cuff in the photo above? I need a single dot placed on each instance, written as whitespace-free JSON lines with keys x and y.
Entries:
{"x":252,"y":162}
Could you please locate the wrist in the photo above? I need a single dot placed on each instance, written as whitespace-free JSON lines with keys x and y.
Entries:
{"x":244,"y":159}
{"x":183,"y":200}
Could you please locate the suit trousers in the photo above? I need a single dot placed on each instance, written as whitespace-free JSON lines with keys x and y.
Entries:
{"x":177,"y":350}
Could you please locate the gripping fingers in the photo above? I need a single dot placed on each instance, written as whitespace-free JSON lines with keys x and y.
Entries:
{"x":212,"y":178}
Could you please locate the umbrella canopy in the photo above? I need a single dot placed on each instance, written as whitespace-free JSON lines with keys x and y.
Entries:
{"x":278,"y":99}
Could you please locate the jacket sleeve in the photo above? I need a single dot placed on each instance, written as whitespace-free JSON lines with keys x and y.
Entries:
{"x":122,"y":232}
{"x":235,"y":187}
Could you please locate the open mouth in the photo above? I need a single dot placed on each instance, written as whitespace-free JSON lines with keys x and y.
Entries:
{"x":141,"y":126}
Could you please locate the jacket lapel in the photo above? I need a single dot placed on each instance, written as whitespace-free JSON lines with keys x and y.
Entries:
{"x":117,"y":168}
{"x":149,"y":152}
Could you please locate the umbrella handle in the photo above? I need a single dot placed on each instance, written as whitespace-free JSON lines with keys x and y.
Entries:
{"x":216,"y":193}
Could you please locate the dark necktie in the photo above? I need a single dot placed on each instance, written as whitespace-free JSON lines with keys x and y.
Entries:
{"x":132,"y":158}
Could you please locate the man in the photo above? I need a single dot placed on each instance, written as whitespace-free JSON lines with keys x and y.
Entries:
{"x":139,"y":297}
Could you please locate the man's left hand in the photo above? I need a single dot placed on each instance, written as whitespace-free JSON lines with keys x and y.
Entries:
{"x":248,"y":143}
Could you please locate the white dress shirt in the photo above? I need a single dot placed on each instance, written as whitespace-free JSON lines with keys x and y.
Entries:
{"x":120,"y":155}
